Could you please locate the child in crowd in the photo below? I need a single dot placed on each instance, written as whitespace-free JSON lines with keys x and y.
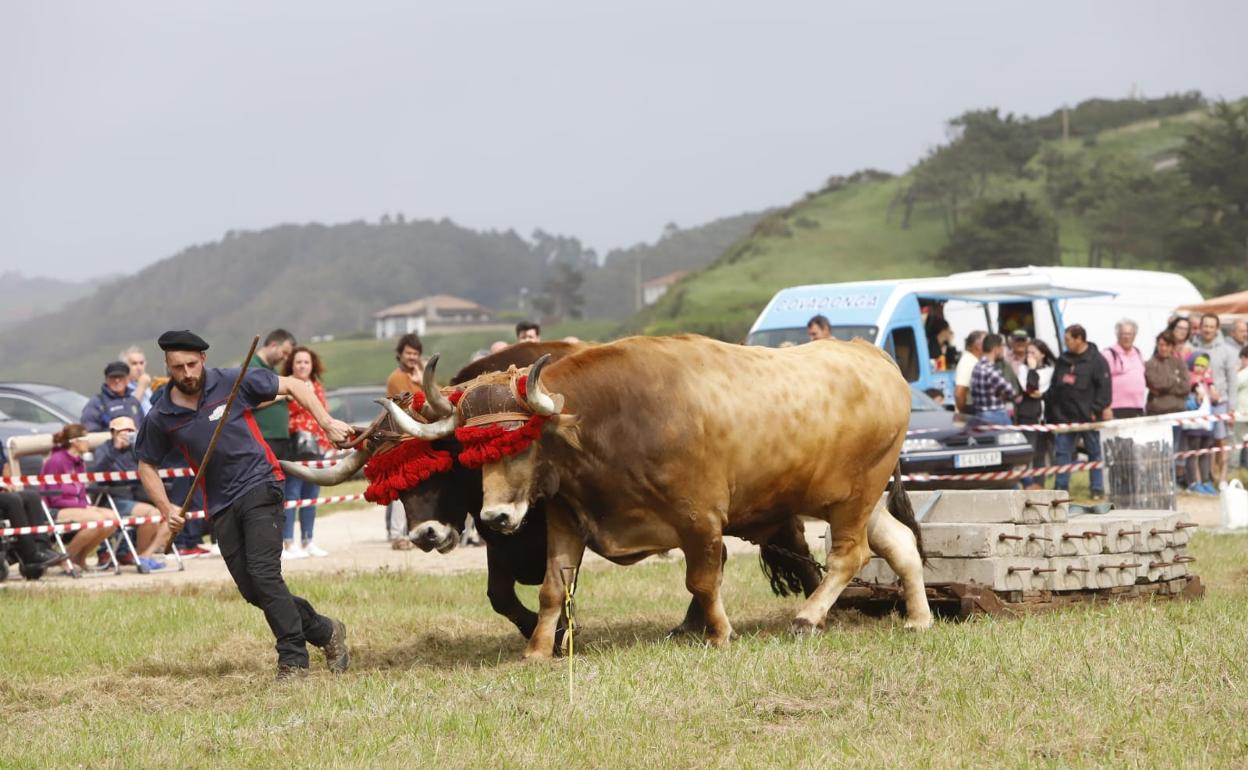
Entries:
{"x":1200,"y":435}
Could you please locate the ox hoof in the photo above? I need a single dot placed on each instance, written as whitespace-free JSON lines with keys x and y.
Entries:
{"x":919,"y":624}
{"x":534,"y":657}
{"x":686,"y":629}
{"x":803,"y":627}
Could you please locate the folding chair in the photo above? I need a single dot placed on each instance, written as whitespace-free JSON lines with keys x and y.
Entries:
{"x":104,"y":495}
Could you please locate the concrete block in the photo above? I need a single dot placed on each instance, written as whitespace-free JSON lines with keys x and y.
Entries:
{"x":970,"y":541}
{"x":977,"y":506}
{"x":1076,"y":573}
{"x":998,"y":573}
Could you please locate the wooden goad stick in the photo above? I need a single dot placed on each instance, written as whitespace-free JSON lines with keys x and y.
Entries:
{"x":216,"y":433}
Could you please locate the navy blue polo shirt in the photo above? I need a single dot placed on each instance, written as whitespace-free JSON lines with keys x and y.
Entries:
{"x":242,"y":459}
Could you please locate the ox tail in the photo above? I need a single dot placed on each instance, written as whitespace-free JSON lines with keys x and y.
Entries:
{"x":901,"y":509}
{"x":786,"y":561}
{"x":781,"y":572}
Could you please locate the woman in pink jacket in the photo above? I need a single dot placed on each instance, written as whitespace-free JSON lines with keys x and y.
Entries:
{"x":1126,"y":372}
{"x":69,"y":503}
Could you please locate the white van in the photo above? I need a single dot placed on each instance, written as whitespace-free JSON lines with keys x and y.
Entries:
{"x":1041,"y":300}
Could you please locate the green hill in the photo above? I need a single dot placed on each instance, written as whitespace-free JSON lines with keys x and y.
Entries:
{"x":329,"y":280}
{"x":856,"y":228}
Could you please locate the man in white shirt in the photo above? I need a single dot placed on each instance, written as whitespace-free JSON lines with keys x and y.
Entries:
{"x":966,"y":365}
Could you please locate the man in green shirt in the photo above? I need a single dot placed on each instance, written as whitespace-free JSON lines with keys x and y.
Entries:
{"x":274,"y":419}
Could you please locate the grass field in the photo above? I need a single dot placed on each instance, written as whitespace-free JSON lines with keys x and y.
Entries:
{"x":181,"y":679}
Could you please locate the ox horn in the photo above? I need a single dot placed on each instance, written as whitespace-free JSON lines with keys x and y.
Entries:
{"x":426,"y":431}
{"x":333,"y":475}
{"x":539,"y":401}
{"x":437,"y":405}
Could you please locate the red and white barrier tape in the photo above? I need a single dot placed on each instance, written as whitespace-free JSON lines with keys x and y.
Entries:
{"x":134,"y":521}
{"x":1051,"y":470}
{"x":95,"y":477}
{"x":1182,"y":418}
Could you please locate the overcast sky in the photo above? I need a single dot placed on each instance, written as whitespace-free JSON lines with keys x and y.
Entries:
{"x":129,"y":130}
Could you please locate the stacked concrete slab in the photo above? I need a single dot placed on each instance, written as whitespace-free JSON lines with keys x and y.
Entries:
{"x":1016,"y":541}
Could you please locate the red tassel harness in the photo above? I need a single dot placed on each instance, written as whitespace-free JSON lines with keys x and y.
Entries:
{"x":402,"y":468}
{"x":486,"y":444}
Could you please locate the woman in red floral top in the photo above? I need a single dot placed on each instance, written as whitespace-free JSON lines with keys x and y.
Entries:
{"x":304,"y":364}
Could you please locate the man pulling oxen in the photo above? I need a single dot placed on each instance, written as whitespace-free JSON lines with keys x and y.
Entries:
{"x":648,"y":444}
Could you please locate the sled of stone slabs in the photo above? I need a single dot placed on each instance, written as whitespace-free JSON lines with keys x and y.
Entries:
{"x":1092,"y":535}
{"x":964,"y":600}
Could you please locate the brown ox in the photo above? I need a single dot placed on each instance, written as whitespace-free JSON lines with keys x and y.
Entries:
{"x":656,"y":443}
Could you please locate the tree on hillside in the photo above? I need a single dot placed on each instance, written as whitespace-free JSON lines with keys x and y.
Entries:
{"x":941,"y":179}
{"x":1013,"y":232}
{"x":991,"y":145}
{"x":982,"y":145}
{"x":562,"y":297}
{"x":1214,"y":161}
{"x":1129,"y":210}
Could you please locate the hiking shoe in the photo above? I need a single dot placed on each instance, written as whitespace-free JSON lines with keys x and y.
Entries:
{"x":336,"y":656}
{"x":287,"y":673}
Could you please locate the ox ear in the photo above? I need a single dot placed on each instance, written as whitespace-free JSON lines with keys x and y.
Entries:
{"x":567,"y":428}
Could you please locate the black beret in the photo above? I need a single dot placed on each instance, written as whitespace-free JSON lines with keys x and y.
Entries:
{"x":182,"y":340}
{"x":117,"y":368}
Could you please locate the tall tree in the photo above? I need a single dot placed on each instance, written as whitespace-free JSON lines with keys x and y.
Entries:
{"x":1214,"y":160}
{"x":1013,"y":232}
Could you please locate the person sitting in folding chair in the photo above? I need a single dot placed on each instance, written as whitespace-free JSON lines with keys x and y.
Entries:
{"x":22,"y":508}
{"x":117,"y":456}
{"x":67,"y":501}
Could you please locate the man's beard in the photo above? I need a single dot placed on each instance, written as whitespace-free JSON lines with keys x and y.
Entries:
{"x":190,"y":386}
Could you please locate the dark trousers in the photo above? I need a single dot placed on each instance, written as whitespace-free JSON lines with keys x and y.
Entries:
{"x":1064,"y":454}
{"x":23,"y":509}
{"x":249,"y":533}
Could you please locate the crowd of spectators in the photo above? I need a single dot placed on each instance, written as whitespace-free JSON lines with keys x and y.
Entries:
{"x":1027,"y":384}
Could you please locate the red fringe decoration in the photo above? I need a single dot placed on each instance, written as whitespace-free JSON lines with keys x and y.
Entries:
{"x":490,"y":443}
{"x":402,"y":468}
{"x":418,"y":401}
{"x":455,"y":395}
{"x":522,"y":386}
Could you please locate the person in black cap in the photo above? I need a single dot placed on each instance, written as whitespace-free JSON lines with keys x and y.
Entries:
{"x":242,"y":487}
{"x":112,"y":401}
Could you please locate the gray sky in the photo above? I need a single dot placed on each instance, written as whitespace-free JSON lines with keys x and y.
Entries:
{"x":129,"y":130}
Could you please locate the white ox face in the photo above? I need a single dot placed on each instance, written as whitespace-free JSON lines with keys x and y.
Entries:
{"x":507,"y":488}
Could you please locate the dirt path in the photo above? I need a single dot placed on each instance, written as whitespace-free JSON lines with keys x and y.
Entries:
{"x":356,"y":542}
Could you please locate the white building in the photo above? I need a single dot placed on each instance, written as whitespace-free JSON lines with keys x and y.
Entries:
{"x":440,"y":310}
{"x":654,"y":288}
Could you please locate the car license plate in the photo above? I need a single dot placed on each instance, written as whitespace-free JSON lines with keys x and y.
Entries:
{"x":976,"y":459}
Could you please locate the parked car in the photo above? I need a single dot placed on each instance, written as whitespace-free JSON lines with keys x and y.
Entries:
{"x":33,"y":407}
{"x":37,"y":402}
{"x":356,"y":406}
{"x":944,"y":443}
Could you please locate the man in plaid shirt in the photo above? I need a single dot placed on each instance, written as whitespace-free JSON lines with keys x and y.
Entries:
{"x":991,"y":393}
